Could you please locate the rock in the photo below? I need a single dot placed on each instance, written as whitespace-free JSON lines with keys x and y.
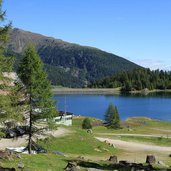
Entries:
{"x":113,"y":159}
{"x":71,"y":166}
{"x":18,"y":156}
{"x":98,"y":150}
{"x":150,"y":159}
{"x":93,"y":169}
{"x":105,"y":149}
{"x":113,"y":145}
{"x":89,"y":131}
{"x":21,"y":165}
{"x":78,"y":167}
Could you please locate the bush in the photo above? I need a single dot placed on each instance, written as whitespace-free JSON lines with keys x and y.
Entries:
{"x":86,"y":124}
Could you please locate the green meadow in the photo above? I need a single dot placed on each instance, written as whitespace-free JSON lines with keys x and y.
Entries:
{"x":80,"y":145}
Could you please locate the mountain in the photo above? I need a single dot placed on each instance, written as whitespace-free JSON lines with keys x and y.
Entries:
{"x":68,"y":64}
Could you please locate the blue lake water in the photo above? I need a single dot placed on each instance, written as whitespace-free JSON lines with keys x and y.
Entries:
{"x":155,"y":106}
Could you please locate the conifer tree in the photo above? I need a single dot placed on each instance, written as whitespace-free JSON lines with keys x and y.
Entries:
{"x":37,"y":89}
{"x":9,"y":97}
{"x":112,"y":118}
{"x":4,"y":30}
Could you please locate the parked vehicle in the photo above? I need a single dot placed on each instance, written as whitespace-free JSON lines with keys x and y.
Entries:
{"x":10,"y":133}
{"x":19,"y":131}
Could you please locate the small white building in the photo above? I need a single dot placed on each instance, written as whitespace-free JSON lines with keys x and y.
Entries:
{"x":64,"y":118}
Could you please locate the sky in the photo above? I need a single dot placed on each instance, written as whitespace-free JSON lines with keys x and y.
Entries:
{"x":138,"y":30}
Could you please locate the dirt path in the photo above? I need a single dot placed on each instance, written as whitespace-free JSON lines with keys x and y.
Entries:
{"x":137,"y":135}
{"x":163,"y":130}
{"x":134,"y":146}
{"x":22,"y":141}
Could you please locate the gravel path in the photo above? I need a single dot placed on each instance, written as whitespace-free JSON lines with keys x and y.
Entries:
{"x":135,"y":146}
{"x":137,"y":135}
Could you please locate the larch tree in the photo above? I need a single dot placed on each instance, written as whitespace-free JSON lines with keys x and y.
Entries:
{"x":112,"y":118}
{"x":38,"y":96}
{"x":4,"y":30}
{"x":9,"y":97}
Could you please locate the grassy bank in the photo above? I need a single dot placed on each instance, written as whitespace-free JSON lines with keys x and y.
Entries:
{"x":140,"y":125}
{"x":97,"y":91}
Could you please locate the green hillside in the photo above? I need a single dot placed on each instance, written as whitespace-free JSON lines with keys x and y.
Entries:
{"x":69,"y":64}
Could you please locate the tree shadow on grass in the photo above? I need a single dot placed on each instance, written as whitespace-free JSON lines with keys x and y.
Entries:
{"x":102,"y":166}
{"x":109,"y":166}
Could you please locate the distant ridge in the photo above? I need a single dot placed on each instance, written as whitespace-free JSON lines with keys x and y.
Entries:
{"x":68,"y":64}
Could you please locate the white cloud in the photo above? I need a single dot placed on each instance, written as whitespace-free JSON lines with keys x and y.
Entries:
{"x":154,"y":64}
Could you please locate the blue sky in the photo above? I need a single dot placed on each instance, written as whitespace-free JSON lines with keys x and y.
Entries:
{"x":138,"y":30}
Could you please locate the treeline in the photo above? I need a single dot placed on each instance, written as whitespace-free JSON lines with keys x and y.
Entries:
{"x":136,"y":79}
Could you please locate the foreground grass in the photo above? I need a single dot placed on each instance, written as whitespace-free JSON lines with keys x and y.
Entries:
{"x":78,"y":143}
{"x":38,"y":162}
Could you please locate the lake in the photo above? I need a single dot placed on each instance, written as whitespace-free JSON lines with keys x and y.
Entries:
{"x":156,"y":106}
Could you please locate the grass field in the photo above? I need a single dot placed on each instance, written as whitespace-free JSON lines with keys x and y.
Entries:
{"x":140,"y":125}
{"x":80,"y":143}
{"x":77,"y":143}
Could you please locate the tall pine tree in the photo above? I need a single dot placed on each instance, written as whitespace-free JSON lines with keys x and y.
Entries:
{"x":37,"y":90}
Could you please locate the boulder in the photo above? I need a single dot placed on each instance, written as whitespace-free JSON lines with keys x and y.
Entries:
{"x":98,"y":150}
{"x":89,"y":131}
{"x":71,"y":166}
{"x":150,"y":159}
{"x":93,"y":169}
{"x":113,"y":159}
{"x":21,"y":165}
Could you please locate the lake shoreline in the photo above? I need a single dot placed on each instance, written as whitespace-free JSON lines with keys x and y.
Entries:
{"x":88,"y":91}
{"x":102,"y":91}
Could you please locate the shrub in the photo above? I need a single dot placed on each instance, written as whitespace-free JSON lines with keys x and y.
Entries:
{"x":86,"y":124}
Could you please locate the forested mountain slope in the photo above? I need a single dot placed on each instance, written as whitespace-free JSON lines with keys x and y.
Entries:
{"x":68,"y":64}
